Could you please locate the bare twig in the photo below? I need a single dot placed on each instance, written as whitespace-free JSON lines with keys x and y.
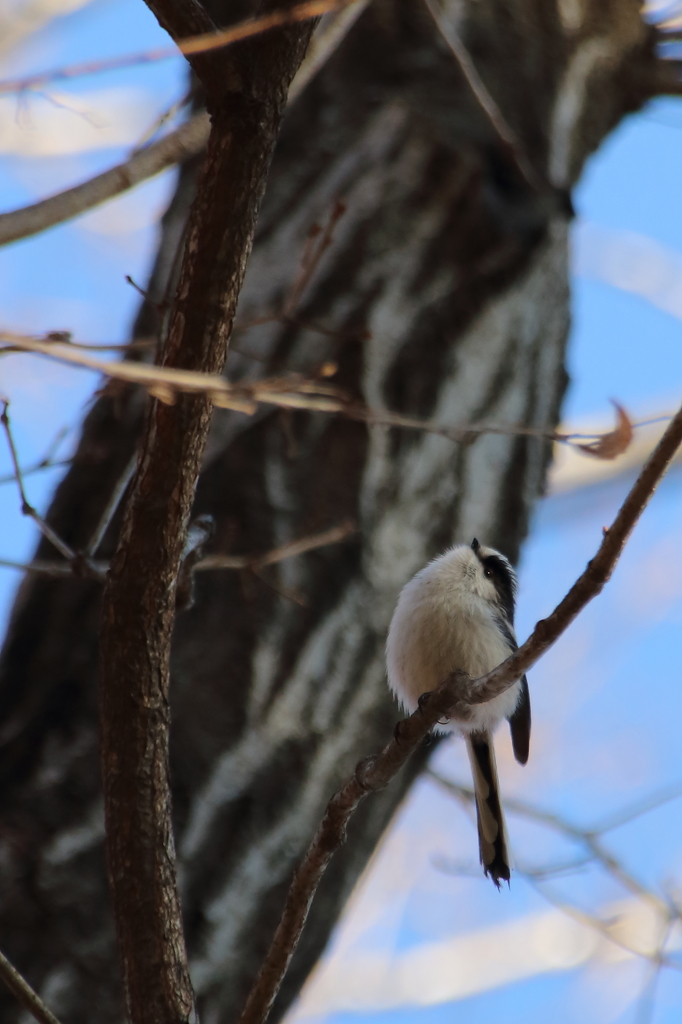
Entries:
{"x":158,"y":123}
{"x":166,"y":382}
{"x":204,"y":43}
{"x":184,"y":142}
{"x":503,"y":130}
{"x":325,"y":41}
{"x":603,"y":928}
{"x":26,"y":508}
{"x":585,"y":837}
{"x":646,"y":1005}
{"x":53,"y":569}
{"x":294,"y":392}
{"x":110,"y":509}
{"x":288,"y":593}
{"x":453,"y":697}
{"x":319,"y":240}
{"x":628,"y":814}
{"x":255,"y":563}
{"x":24,"y":994}
{"x":537,"y":878}
{"x":47,"y":462}
{"x":290,"y":550}
{"x":667,"y":911}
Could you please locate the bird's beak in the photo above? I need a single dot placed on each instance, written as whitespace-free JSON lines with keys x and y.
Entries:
{"x":475,"y":545}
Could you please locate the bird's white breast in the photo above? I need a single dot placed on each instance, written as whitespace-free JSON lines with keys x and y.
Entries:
{"x":438,"y":626}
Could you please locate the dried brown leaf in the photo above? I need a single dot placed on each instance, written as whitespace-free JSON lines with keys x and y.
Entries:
{"x":613,"y":444}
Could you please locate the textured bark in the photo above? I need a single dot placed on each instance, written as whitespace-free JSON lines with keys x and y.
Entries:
{"x":459,"y":271}
{"x":246,"y":91}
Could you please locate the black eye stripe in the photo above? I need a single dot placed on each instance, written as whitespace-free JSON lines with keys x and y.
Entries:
{"x":504,"y":581}
{"x":500,"y":568}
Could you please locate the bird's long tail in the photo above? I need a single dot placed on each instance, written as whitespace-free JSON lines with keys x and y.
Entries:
{"x":492,"y":832}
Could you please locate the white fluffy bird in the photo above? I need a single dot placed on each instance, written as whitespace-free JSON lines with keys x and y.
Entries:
{"x":458,"y":614}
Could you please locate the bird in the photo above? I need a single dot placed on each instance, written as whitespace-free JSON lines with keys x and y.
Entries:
{"x":457,"y":614}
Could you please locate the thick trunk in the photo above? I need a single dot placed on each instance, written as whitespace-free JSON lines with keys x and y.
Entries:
{"x":445,"y":292}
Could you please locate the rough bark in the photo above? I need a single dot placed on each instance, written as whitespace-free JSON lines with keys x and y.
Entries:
{"x":246,"y":93}
{"x":458,"y":269}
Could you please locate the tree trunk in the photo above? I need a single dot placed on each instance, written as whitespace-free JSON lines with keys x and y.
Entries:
{"x":443,"y":295}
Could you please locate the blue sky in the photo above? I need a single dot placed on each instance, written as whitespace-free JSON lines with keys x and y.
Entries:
{"x":607,"y":700}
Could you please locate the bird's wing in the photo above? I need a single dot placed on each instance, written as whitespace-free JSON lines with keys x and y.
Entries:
{"x":519,"y":723}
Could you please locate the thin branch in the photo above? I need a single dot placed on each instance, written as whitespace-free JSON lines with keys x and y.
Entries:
{"x":324,"y":42}
{"x":288,"y":593}
{"x":296,"y":392}
{"x":453,"y":698}
{"x":26,"y":508}
{"x":290,"y":550}
{"x":255,"y":563}
{"x":179,"y":145}
{"x":40,"y":567}
{"x":47,"y":462}
{"x":537,"y":878}
{"x":162,"y":119}
{"x":503,"y":130}
{"x":596,"y":924}
{"x":558,"y":824}
{"x":186,"y":141}
{"x":24,"y":994}
{"x":198,"y":44}
{"x":110,"y":509}
{"x":636,"y":810}
{"x":319,"y":240}
{"x":646,"y":1005}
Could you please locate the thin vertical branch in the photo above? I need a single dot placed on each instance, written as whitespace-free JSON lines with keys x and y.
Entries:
{"x":110,"y":508}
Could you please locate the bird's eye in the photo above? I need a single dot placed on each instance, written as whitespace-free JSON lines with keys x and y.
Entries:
{"x":488,"y":573}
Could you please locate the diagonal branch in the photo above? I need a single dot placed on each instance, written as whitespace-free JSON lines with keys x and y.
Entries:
{"x":254,"y":563}
{"x":489,"y":106}
{"x":75,"y":563}
{"x":179,"y":145}
{"x":189,"y":18}
{"x":295,"y":547}
{"x":110,"y":508}
{"x":453,"y":697}
{"x":203,"y":44}
{"x":186,"y":141}
{"x":586,"y":837}
{"x":24,"y":994}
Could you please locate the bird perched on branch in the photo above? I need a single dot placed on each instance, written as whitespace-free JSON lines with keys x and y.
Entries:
{"x":457,"y":614}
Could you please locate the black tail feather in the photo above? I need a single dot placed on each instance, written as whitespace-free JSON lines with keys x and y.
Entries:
{"x":492,"y":832}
